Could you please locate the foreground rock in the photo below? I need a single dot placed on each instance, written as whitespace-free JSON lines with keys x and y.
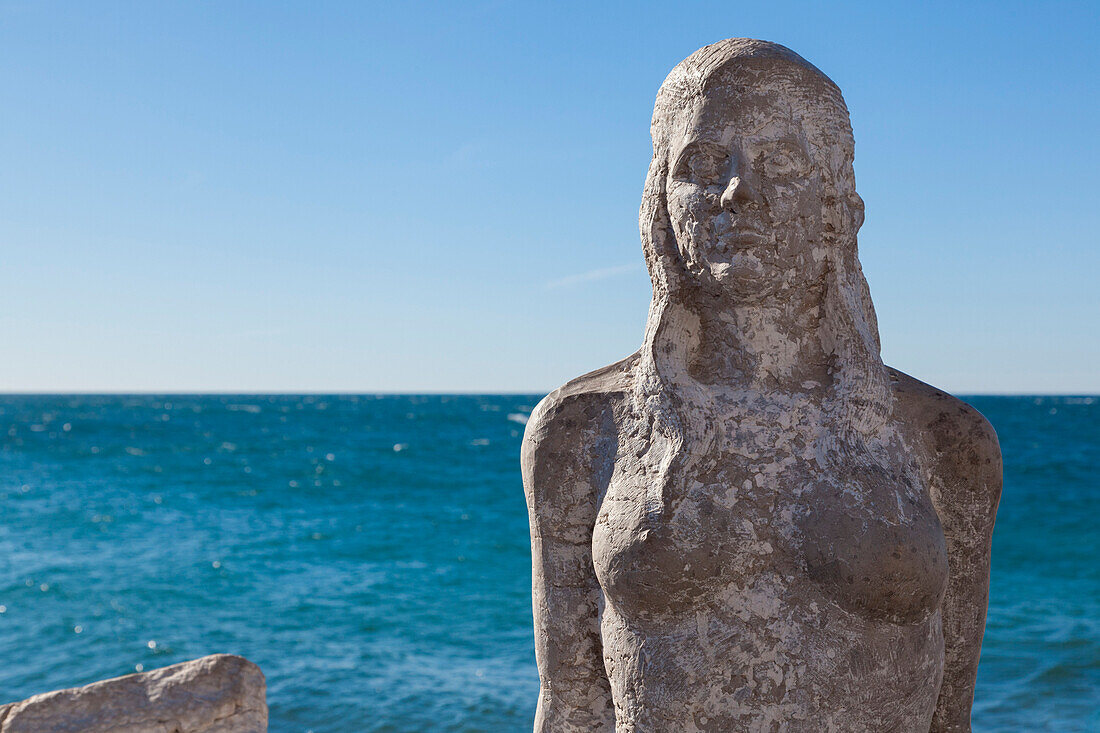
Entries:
{"x":221,"y":693}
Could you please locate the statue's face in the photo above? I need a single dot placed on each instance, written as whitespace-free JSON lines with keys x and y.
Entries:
{"x":745,"y":196}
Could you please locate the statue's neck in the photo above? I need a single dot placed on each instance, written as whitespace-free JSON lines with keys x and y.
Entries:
{"x":758,"y":347}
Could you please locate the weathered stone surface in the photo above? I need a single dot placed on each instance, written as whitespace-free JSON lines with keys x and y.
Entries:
{"x":221,"y":693}
{"x":752,"y":523}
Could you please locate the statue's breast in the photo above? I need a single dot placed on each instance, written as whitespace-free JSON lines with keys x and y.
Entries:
{"x":664,"y":552}
{"x":868,"y":541}
{"x":874,"y":544}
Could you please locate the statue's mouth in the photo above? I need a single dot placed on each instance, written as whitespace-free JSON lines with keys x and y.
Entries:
{"x":737,"y":232}
{"x":741,"y":238}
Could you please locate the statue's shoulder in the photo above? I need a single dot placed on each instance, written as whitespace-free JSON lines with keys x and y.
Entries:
{"x":958,"y":439}
{"x":573,"y":429}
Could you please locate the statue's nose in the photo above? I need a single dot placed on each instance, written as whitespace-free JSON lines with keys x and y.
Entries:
{"x":738,"y":189}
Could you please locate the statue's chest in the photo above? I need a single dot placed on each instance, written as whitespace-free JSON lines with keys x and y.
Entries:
{"x":868,"y":539}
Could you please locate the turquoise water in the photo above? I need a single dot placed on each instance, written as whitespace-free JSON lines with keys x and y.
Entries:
{"x":371,"y":554}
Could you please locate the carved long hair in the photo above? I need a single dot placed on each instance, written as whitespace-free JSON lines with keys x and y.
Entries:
{"x":859,"y":402}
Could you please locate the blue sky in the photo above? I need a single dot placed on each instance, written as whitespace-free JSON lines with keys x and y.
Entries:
{"x":333,"y":196}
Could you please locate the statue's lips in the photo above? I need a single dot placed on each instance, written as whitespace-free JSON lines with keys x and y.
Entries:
{"x":742,"y":239}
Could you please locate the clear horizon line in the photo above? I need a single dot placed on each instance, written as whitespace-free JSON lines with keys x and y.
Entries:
{"x":445,"y":393}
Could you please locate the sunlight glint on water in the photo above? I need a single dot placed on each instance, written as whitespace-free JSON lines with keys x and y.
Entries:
{"x":371,"y":554}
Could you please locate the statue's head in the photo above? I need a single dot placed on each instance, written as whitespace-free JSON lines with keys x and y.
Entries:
{"x":751,"y":192}
{"x":750,"y":200}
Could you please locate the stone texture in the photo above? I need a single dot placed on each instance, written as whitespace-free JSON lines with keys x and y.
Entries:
{"x":752,"y":523}
{"x":216,"y":694}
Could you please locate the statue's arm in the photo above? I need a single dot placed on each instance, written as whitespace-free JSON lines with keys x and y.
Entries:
{"x":965,"y":482}
{"x":566,"y":455}
{"x":966,"y":491}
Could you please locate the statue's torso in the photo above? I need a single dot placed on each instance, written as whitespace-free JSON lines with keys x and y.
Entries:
{"x":760,"y":587}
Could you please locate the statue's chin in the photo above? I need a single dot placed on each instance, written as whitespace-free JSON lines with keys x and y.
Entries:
{"x":742,"y":276}
{"x":746,"y":278}
{"x":738,"y":269}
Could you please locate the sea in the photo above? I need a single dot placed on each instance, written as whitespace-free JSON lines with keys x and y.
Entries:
{"x":371,"y":554}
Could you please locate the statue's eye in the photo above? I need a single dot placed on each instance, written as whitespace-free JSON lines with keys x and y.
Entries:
{"x":784,"y":163}
{"x":780,"y":162}
{"x":704,"y":167}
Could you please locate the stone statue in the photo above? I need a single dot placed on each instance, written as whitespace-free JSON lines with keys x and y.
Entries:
{"x":753,"y":524}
